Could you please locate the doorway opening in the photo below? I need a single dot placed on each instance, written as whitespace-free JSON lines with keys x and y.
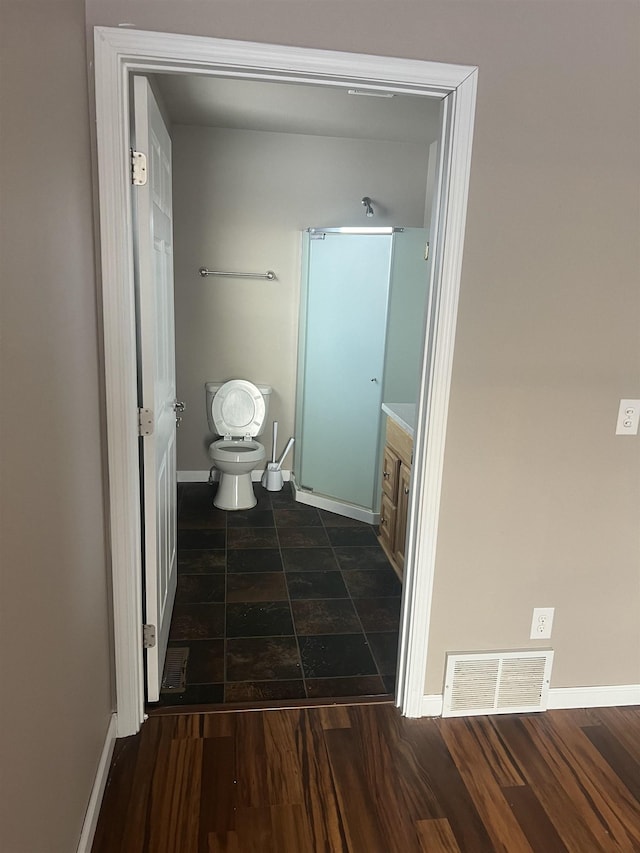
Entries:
{"x":120,"y":53}
{"x":282,"y":601}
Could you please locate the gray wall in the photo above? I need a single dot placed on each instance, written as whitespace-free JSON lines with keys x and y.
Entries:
{"x":541,"y":501}
{"x":241,"y":200}
{"x":56,"y":683}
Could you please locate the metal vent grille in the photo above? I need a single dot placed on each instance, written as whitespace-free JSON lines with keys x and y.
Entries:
{"x":497,"y":683}
{"x":174,"y":677}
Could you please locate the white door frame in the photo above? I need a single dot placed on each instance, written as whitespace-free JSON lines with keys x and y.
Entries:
{"x":117,"y":54}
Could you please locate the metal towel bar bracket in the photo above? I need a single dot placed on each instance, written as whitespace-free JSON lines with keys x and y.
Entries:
{"x":269,"y":274}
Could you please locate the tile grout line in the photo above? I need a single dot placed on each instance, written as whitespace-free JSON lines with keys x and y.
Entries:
{"x":293,"y":621}
{"x":326,"y":571}
{"x":273,"y":509}
{"x":225,"y":647}
{"x":364,"y":633}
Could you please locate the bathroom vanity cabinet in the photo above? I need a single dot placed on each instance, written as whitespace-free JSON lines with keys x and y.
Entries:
{"x":396,"y":475}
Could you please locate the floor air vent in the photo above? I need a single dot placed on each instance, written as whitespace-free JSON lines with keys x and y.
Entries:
{"x":174,"y":677}
{"x":496,"y":683}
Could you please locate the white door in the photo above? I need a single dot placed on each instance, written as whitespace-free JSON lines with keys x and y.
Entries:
{"x":153,"y":233}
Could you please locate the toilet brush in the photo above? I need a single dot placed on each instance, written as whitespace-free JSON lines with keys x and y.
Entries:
{"x":266,"y":481}
{"x":272,"y":477}
{"x":284,"y":453}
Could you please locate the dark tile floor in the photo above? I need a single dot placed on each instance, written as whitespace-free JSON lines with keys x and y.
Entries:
{"x":282,"y":601}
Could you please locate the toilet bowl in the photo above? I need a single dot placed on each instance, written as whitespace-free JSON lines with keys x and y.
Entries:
{"x":237,"y":411}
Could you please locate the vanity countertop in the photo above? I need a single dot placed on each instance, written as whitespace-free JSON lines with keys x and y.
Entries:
{"x":404,"y":414}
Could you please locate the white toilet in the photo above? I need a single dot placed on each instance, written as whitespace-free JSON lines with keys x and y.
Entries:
{"x":237,"y":411}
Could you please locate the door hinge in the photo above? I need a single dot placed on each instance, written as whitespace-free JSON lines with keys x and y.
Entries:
{"x":138,"y":168}
{"x":145,"y":422}
{"x":426,"y":251}
{"x":148,"y":636}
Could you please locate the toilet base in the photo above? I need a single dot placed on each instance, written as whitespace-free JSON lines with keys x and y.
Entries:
{"x":235,"y":491}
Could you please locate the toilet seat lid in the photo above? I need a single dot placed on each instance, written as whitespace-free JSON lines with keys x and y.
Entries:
{"x":238,"y":408}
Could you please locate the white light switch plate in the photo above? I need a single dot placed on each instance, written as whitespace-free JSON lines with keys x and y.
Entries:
{"x":628,"y":417}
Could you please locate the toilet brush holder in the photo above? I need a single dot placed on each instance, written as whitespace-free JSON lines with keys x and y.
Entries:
{"x":272,"y":477}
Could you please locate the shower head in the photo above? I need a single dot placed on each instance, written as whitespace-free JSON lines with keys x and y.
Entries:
{"x":366,"y":201}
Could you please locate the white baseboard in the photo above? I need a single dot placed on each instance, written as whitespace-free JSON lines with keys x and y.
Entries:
{"x":431,"y":705}
{"x":193,"y":476}
{"x":594,"y":697}
{"x":562,"y":698}
{"x":203,"y":476}
{"x":97,"y":792}
{"x":333,"y":505}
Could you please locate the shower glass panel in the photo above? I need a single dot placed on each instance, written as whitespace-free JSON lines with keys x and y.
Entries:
{"x":407,"y":316}
{"x":345,"y":294}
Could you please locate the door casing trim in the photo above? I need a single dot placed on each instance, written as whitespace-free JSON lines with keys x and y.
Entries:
{"x":118,"y":53}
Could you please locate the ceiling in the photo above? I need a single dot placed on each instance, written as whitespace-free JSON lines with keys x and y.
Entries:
{"x":316,"y":110}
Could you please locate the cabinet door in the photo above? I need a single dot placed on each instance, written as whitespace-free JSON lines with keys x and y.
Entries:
{"x":387,"y":526}
{"x":402,"y":512}
{"x":390,"y":466}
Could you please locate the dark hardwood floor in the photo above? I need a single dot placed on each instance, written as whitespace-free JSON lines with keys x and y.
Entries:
{"x":362,"y":779}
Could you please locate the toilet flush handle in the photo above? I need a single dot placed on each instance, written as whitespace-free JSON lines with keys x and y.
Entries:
{"x":374,"y":379}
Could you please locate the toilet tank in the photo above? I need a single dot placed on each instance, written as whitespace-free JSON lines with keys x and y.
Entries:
{"x":212,"y":388}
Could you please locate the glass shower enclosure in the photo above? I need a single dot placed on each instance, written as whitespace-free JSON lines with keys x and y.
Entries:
{"x":345,"y":298}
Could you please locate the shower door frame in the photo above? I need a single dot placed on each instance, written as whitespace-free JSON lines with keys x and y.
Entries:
{"x":308,"y":494}
{"x":120,"y":53}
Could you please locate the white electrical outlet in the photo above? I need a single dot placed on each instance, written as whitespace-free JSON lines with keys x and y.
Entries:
{"x":541,"y":623}
{"x":628,"y":417}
